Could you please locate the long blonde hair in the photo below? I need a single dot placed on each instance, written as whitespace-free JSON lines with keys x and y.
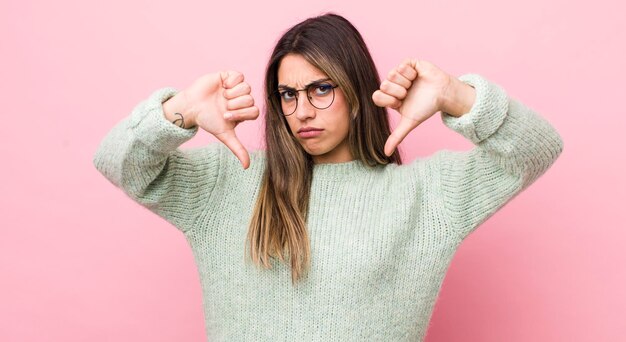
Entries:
{"x":278,"y":224}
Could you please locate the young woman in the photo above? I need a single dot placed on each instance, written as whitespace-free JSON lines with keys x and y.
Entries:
{"x":325,"y":235}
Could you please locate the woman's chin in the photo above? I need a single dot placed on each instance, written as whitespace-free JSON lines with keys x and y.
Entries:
{"x":313,"y":149}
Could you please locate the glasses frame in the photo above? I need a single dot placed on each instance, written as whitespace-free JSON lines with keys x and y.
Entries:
{"x":317,"y":83}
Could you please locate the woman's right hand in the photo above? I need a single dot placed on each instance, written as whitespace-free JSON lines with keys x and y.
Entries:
{"x":212,"y":96}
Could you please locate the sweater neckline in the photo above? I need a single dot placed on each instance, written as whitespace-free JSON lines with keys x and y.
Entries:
{"x":341,"y":170}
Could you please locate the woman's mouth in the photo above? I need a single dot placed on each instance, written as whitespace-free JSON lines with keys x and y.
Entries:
{"x":310,"y":133}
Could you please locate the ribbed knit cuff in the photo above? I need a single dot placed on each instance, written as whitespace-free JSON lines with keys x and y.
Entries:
{"x":150,"y":126}
{"x":487,"y":113}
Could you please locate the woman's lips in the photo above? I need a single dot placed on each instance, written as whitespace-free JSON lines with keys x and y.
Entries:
{"x":310,"y":134}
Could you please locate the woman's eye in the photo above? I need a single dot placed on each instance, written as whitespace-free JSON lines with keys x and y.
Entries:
{"x":287,"y":95}
{"x":323,"y":89}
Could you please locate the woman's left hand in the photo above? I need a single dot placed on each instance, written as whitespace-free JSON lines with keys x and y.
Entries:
{"x":416,"y":89}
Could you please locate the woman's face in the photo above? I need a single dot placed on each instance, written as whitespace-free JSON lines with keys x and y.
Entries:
{"x":330,"y":145}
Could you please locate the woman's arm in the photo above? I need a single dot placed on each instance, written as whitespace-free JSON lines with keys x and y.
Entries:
{"x":140,"y":155}
{"x":513,"y":147}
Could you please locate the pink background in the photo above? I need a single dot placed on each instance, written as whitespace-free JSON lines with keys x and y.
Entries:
{"x":79,"y":261}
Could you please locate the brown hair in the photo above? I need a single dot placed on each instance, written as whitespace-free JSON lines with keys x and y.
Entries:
{"x":332,"y":44}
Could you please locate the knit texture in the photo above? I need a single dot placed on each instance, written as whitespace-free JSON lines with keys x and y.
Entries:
{"x":381,"y":237}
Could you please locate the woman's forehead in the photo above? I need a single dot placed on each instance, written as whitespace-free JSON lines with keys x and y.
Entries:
{"x":294,"y":71}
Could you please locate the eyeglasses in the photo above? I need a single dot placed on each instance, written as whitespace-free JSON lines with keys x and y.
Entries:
{"x":321,"y":95}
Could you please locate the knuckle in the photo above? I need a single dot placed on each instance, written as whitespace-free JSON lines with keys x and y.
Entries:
{"x":385,"y":85}
{"x":230,"y":94}
{"x":249,"y":100}
{"x":236,"y":77}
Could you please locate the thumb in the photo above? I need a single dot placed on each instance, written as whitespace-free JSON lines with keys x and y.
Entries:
{"x":229,"y":139}
{"x":405,"y":126}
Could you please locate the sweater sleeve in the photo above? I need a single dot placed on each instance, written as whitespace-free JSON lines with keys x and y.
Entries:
{"x":141,"y":156}
{"x":513,"y":147}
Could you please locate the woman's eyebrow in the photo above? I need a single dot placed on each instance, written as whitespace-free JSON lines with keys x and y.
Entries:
{"x":313,"y":82}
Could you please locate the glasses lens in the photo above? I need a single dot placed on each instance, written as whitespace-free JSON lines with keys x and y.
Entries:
{"x":321,"y":95}
{"x":288,"y":101}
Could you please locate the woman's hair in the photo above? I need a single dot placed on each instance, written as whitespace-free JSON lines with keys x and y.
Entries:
{"x":333,"y":45}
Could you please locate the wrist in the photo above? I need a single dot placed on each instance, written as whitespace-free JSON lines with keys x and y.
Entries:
{"x":458,"y":98}
{"x":177,"y":111}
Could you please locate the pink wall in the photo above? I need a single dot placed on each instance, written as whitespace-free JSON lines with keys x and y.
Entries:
{"x":79,"y":261}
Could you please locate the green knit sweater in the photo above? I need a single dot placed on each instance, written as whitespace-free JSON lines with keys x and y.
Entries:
{"x":381,"y":237}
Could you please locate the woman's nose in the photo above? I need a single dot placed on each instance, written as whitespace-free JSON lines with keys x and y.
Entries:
{"x":305,"y":109}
